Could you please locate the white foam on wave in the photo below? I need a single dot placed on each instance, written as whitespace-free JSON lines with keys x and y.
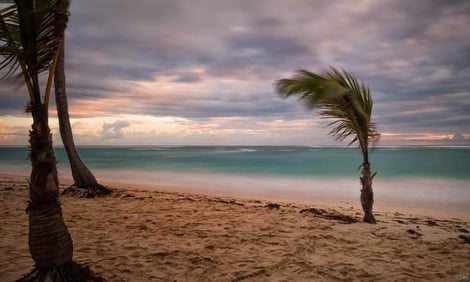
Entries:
{"x":246,"y":150}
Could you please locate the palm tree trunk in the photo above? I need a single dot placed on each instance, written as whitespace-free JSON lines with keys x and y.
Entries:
{"x":367,"y":195}
{"x":50,"y":243}
{"x":85,"y":182}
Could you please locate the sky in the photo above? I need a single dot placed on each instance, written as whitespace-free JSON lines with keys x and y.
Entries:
{"x":201,"y":72}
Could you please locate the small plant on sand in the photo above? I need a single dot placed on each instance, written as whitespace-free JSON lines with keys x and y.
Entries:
{"x":340,"y":96}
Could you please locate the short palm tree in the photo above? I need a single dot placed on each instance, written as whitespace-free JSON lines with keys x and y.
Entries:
{"x":340,"y":96}
{"x":31,"y":32}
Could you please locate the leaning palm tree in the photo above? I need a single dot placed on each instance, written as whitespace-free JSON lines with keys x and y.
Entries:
{"x":31,"y":32}
{"x":85,"y":183}
{"x":340,"y":96}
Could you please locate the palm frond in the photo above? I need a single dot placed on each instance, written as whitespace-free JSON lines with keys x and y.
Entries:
{"x":339,"y":96}
{"x":9,"y":36}
{"x":30,"y":34}
{"x":312,"y":88}
{"x":11,"y":49}
{"x":39,"y":37}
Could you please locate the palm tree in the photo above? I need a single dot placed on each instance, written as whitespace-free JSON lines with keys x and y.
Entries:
{"x":340,"y":96}
{"x":85,"y":183}
{"x":30,"y":34}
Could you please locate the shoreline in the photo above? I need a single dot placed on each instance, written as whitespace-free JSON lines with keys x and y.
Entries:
{"x":160,"y":233}
{"x":390,"y":195}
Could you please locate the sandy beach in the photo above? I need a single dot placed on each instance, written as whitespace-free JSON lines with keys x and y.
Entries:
{"x":141,"y":234}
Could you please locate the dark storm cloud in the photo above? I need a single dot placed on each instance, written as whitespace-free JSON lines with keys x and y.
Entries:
{"x":257,"y":54}
{"x":217,"y":108}
{"x":424,"y":63}
{"x":165,"y":36}
{"x":227,"y":104}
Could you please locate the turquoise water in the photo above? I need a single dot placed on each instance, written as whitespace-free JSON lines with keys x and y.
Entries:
{"x":390,"y":162}
{"x":437,"y":178}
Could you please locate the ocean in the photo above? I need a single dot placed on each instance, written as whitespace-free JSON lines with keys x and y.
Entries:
{"x":389,"y":162}
{"x":411,"y":174}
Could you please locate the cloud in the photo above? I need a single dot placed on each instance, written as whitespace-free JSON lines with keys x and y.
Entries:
{"x":457,"y":139}
{"x":188,"y":77}
{"x":114,"y":130}
{"x":204,"y":60}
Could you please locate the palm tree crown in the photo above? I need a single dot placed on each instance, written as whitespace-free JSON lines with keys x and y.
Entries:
{"x":340,"y":96}
{"x":30,"y":33}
